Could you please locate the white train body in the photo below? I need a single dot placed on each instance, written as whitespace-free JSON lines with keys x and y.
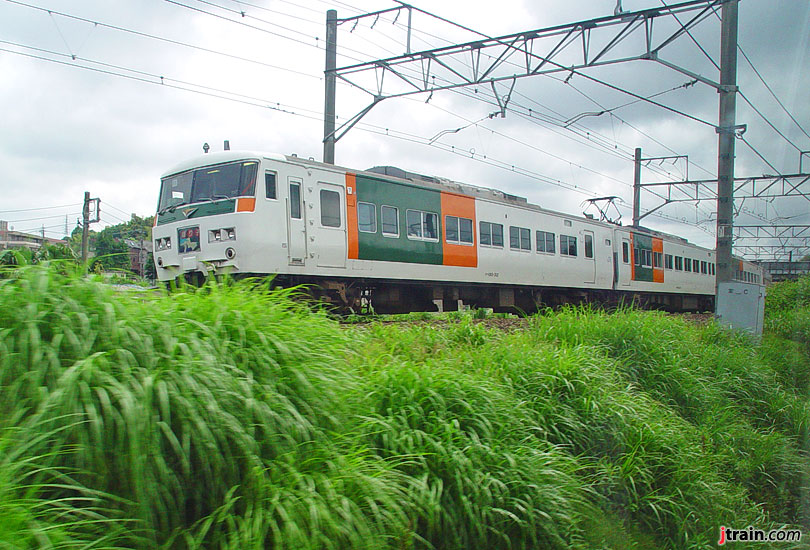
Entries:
{"x":409,"y":238}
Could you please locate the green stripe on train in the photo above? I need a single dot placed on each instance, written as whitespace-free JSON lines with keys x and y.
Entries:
{"x":643,"y":242}
{"x":375,"y":246}
{"x":187,"y":212}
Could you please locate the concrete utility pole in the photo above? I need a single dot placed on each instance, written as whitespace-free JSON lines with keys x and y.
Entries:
{"x":86,"y":221}
{"x":85,"y":227}
{"x":330,"y":81}
{"x":726,"y":135}
{"x":637,"y":188}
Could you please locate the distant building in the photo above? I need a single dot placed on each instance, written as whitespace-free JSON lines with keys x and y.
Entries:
{"x":786,"y":271}
{"x":17,"y":239}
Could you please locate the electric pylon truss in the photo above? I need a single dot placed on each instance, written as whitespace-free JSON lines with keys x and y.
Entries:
{"x":560,"y":49}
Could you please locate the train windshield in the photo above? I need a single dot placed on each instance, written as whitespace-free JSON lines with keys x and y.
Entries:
{"x":223,"y":181}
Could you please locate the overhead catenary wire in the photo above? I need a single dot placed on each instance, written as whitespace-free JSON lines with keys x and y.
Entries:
{"x":162,"y":39}
{"x":40,"y":208}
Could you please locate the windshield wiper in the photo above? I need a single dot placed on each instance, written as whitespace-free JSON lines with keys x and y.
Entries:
{"x":171,"y":208}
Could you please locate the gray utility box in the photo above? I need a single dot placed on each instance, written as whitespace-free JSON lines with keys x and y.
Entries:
{"x":741,"y":306}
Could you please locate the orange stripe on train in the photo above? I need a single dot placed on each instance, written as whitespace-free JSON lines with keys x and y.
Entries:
{"x":458,"y":254}
{"x":351,"y":217}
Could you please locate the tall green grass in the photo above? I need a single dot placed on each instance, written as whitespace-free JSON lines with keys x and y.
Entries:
{"x":236,"y":417}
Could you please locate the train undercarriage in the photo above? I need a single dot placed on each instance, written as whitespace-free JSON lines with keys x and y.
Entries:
{"x":394,"y":296}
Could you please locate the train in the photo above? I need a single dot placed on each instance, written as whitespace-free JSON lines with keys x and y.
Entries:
{"x":398,"y":241}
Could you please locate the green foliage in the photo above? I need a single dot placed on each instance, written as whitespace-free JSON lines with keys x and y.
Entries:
{"x":234,"y":417}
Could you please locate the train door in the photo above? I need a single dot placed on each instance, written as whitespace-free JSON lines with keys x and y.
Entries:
{"x":327,"y":224}
{"x":590,"y":269}
{"x":626,"y":259}
{"x":296,"y":222}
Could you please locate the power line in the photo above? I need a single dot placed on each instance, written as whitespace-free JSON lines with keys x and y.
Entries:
{"x":161,"y":39}
{"x":40,"y":208}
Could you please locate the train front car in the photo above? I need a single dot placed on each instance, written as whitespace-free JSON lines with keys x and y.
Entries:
{"x":206,"y":219}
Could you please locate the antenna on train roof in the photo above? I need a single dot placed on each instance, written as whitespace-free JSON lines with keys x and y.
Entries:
{"x":227,"y":145}
{"x":206,"y":147}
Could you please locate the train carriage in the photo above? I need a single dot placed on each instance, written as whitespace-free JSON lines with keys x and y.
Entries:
{"x":406,"y":241}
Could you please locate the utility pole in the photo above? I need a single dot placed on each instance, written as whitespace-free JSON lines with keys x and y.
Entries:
{"x":85,"y":228}
{"x":726,"y":131}
{"x":330,"y":81}
{"x":86,"y":221}
{"x":637,"y":188}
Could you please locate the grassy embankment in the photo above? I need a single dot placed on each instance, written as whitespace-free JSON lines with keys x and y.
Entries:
{"x":239,"y":419}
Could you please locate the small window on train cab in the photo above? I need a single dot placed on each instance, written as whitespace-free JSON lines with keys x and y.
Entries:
{"x":626,"y":252}
{"x":295,"y":201}
{"x":390,"y":221}
{"x":588,"y":246}
{"x":330,"y":208}
{"x":366,"y":217}
{"x":270,"y":185}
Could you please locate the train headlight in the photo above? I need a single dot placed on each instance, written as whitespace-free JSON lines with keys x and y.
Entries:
{"x":231,"y":232}
{"x":168,"y":243}
{"x":214,"y":235}
{"x":230,"y":253}
{"x":158,"y":244}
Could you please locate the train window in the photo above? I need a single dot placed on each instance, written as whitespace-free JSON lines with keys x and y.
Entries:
{"x":714,"y":272}
{"x":430,"y":225}
{"x":451,"y":229}
{"x":658,"y":260}
{"x":668,"y":261}
{"x":422,"y":225}
{"x":687,"y":264}
{"x":270,"y":185}
{"x":458,"y":230}
{"x":465,"y":230}
{"x":413,"y":218}
{"x":637,"y":256}
{"x":366,"y":217}
{"x":568,"y":245}
{"x":545,"y":241}
{"x":646,"y":258}
{"x":295,"y":200}
{"x":704,"y":268}
{"x":330,"y":208}
{"x":520,"y":238}
{"x":678,"y":263}
{"x":390,"y":221}
{"x":588,"y":246}
{"x":491,"y":234}
{"x":626,"y":252}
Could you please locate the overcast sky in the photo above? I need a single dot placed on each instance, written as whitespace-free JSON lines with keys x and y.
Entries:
{"x":85,"y":109}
